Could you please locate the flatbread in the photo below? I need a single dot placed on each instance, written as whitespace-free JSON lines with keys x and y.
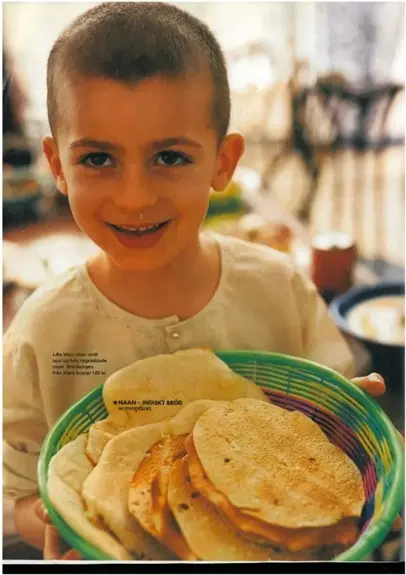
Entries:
{"x":99,"y":434}
{"x":160,"y":510}
{"x":140,"y":497}
{"x":208,"y":535}
{"x":71,"y":465}
{"x":296,"y":545}
{"x":162,"y":516}
{"x":156,"y":388}
{"x":105,"y":490}
{"x":278,"y":468}
{"x":67,"y":471}
{"x":158,"y":519}
{"x":156,"y":508}
{"x":184,"y":421}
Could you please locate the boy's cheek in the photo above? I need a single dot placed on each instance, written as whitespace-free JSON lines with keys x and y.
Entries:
{"x":82,"y":185}
{"x":93,"y":192}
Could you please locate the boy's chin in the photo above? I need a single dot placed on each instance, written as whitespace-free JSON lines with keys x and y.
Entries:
{"x":141,"y":262}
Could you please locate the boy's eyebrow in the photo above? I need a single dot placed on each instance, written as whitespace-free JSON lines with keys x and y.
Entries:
{"x":155,"y":145}
{"x":92,"y":143}
{"x":167,"y":142}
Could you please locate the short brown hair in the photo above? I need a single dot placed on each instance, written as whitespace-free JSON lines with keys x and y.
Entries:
{"x":131,"y":41}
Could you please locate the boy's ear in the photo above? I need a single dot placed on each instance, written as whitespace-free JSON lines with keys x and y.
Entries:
{"x":51,"y":152}
{"x":229,"y":155}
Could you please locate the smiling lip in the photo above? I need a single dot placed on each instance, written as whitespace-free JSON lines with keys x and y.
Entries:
{"x":142,"y":236}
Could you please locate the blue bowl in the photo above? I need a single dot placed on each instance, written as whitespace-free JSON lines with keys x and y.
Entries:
{"x":388,"y":358}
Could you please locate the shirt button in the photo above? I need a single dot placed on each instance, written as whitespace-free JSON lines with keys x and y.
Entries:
{"x":175,"y":334}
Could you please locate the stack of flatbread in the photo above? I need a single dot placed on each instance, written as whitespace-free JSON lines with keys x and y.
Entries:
{"x":226,"y":476}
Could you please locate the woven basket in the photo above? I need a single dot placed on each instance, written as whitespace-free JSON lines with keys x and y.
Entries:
{"x":351,"y":420}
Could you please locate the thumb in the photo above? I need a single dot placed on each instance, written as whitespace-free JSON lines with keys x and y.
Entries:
{"x":398,"y":524}
{"x":41,"y":512}
{"x":372,"y":383}
{"x":71,"y":555}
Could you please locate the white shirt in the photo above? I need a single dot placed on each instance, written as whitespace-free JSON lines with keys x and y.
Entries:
{"x":262,"y":303}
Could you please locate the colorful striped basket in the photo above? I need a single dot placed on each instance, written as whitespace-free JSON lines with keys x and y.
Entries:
{"x":350,"y":418}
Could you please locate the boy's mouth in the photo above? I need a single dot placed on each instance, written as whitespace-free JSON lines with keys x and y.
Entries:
{"x":139,"y":231}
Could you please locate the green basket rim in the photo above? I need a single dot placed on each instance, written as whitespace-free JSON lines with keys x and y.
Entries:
{"x":369,"y":541}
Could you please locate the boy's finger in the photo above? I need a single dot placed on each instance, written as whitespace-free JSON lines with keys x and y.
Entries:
{"x":52,"y":546}
{"x":71,"y":555}
{"x":398,"y":524}
{"x":373,"y":384}
{"x":41,"y":512}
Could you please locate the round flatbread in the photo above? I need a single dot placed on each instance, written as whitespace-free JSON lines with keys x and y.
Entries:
{"x":147,"y":498}
{"x":140,"y":496}
{"x":298,"y":545}
{"x":98,"y":435}
{"x":67,"y":471}
{"x":206,"y":532}
{"x":105,"y":490}
{"x":156,"y":388}
{"x":278,"y":468}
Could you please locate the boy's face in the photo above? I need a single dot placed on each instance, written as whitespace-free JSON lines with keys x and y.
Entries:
{"x":136,"y":157}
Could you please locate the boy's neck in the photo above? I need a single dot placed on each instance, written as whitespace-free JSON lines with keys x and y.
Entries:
{"x":181,"y":288}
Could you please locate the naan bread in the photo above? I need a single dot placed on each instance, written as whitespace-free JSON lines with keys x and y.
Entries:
{"x":149,"y":505}
{"x":175,"y":431}
{"x":71,"y":465}
{"x":275,"y":475}
{"x":160,"y":510}
{"x":184,"y":421}
{"x":140,"y":496}
{"x":208,"y":535}
{"x":299,"y":545}
{"x":180,"y":377}
{"x":99,"y":434}
{"x":106,"y":489}
{"x":67,"y":471}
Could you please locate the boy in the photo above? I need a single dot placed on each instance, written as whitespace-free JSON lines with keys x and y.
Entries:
{"x":139,"y":107}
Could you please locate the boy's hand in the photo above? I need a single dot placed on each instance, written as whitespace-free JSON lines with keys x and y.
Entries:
{"x":54,"y":547}
{"x":374,"y":384}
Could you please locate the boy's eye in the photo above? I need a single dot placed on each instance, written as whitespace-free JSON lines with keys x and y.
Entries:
{"x":171,"y":158}
{"x":97,"y":160}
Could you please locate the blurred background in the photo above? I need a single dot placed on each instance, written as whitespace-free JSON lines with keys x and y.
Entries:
{"x":317,"y":91}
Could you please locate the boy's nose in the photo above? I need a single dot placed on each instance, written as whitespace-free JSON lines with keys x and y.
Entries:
{"x":135,"y":191}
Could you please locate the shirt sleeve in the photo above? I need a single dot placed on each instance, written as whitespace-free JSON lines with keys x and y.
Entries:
{"x":24,"y":423}
{"x":322,"y":341}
